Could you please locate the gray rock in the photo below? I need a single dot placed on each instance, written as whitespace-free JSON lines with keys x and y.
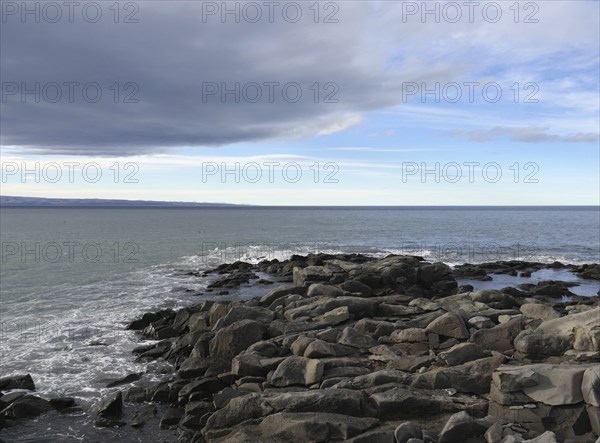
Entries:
{"x":28,"y":406}
{"x":538,"y":311}
{"x":499,"y":338}
{"x":351,"y":337}
{"x":481,"y":322}
{"x":230,"y":341}
{"x":318,"y":289}
{"x":461,"y":426}
{"x":590,"y":386}
{"x":356,"y":286}
{"x":143,"y":415}
{"x":17,"y":382}
{"x":409,"y":335}
{"x":279,"y":292}
{"x":321,"y":349}
{"x":449,"y":325}
{"x":334,"y":317}
{"x":407,"y":430}
{"x":297,"y":370}
{"x":110,"y":406}
{"x":238,"y":313}
{"x":313,"y":427}
{"x":462,"y":353}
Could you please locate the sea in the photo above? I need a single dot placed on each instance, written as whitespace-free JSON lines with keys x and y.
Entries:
{"x":71,"y":277}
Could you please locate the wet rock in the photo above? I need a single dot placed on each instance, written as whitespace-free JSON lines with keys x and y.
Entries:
{"x":143,"y":415}
{"x":62,"y":403}
{"x":129,"y":378}
{"x":111,"y":406}
{"x":171,"y":417}
{"x":17,"y":382}
{"x":28,"y":406}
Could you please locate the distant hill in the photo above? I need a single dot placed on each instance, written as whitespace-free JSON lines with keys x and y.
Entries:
{"x":8,"y":200}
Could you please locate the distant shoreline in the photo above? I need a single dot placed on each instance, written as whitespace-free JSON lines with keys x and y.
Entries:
{"x":40,"y":202}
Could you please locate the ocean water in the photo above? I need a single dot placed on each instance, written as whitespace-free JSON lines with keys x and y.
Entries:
{"x":71,"y":278}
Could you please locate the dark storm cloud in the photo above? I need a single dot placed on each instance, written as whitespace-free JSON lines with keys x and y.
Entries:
{"x":160,"y":65}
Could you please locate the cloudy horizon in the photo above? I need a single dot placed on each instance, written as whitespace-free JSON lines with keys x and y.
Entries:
{"x":328,"y":103}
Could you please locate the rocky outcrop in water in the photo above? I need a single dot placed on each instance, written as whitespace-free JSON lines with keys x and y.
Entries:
{"x":365,"y":350}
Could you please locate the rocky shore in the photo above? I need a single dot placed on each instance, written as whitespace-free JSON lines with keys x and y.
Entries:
{"x":364,"y":350}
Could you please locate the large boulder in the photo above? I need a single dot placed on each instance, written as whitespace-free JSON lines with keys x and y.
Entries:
{"x":449,"y":325}
{"x":17,"y":382}
{"x":230,"y":341}
{"x":296,"y":370}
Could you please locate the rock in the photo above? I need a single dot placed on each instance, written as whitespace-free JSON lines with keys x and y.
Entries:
{"x":565,"y":328}
{"x":404,"y":402}
{"x":143,"y":415}
{"x":409,"y":335}
{"x":27,"y":406}
{"x":493,"y":298}
{"x":546,"y":437}
{"x":171,"y":417}
{"x":231,"y":340}
{"x":145,"y":321}
{"x":257,"y":405}
{"x":544,"y":383}
{"x":462,"y":353}
{"x":407,"y":430}
{"x":129,"y":378}
{"x":481,"y":322}
{"x":110,"y":406}
{"x":536,"y":344}
{"x":334,"y":317}
{"x":7,"y":399}
{"x":239,"y":313}
{"x":253,"y":364}
{"x":318,"y":289}
{"x":321,"y":349}
{"x":459,"y":427}
{"x":378,"y":435}
{"x":312,"y":274}
{"x":194,"y":367}
{"x":297,"y":370}
{"x":499,"y":338}
{"x":472,"y":377}
{"x":493,"y":434}
{"x":17,"y":382}
{"x":62,"y":403}
{"x":351,"y":337}
{"x":313,"y":427}
{"x":279,"y":292}
{"x":449,"y":325}
{"x":538,"y":311}
{"x":410,"y":363}
{"x":590,"y":386}
{"x":356,"y":286}
{"x":204,"y":387}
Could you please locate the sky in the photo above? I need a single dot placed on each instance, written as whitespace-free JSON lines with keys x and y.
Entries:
{"x":302,"y":103}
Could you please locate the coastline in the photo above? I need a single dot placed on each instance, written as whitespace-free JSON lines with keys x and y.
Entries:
{"x":350,"y":347}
